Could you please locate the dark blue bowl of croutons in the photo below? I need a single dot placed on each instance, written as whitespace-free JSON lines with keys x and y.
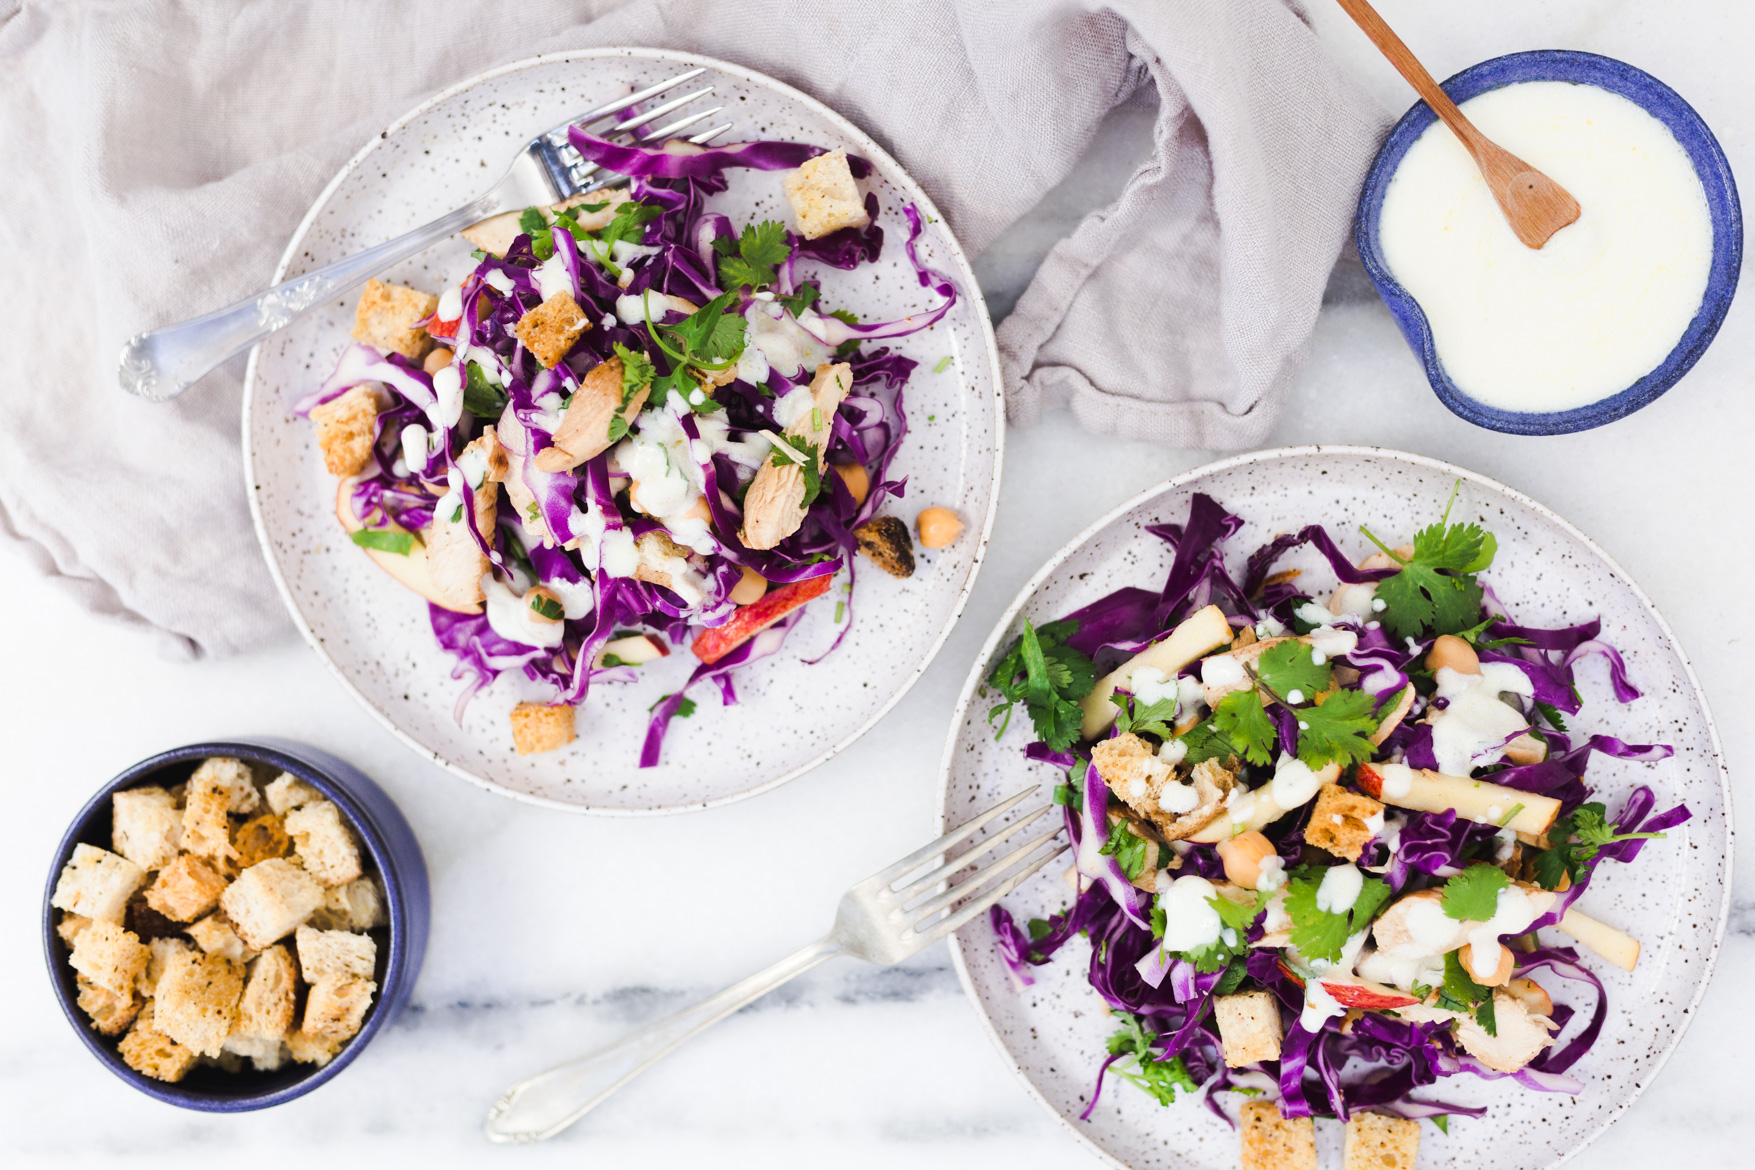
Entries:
{"x":229,"y":924}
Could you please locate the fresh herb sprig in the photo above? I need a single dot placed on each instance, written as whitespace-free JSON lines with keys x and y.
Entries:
{"x":1049,"y":677}
{"x":1436,"y":592}
{"x":1141,"y":1066}
{"x":1574,"y":842}
{"x":1322,"y":934}
{"x":750,"y":260}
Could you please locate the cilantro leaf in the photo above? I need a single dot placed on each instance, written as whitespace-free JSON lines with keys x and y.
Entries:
{"x":1290,"y":671}
{"x":1436,"y":591}
{"x":794,"y":450}
{"x":1235,"y":917}
{"x":1140,"y":1066}
{"x":684,"y":709}
{"x":548,"y":607}
{"x":1575,"y":840}
{"x":761,"y":249}
{"x":1339,"y":729}
{"x":628,"y":225}
{"x":1203,"y":743}
{"x":1551,"y":715}
{"x":383,"y":540}
{"x":481,"y":397}
{"x":1130,"y":850}
{"x":1241,"y":719}
{"x":1050,"y":694}
{"x":1319,"y":933}
{"x":1461,"y":993}
{"x":1473,"y":894}
{"x":1148,"y":719}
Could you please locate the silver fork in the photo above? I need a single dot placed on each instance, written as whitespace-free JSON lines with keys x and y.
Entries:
{"x":161,"y":364}
{"x":876,"y":921}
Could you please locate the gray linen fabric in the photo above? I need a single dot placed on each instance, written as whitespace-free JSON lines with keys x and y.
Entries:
{"x":158,"y":154}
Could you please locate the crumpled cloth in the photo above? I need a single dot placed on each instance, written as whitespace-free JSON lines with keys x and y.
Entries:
{"x":159,"y":154}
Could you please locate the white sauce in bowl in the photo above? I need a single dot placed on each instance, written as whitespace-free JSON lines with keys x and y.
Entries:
{"x":1605,"y":301}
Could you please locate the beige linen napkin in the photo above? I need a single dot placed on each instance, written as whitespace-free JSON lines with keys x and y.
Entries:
{"x":158,"y":155}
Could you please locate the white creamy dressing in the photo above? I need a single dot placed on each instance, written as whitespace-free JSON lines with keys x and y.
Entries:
{"x":1294,"y":782}
{"x":1173,"y":752}
{"x":650,"y":305}
{"x":552,"y":277}
{"x":513,"y":620}
{"x":576,"y":597}
{"x":612,"y":551}
{"x":783,"y":343}
{"x":1604,"y":301}
{"x":548,"y":412}
{"x":1148,"y":684}
{"x":1470,"y":732}
{"x":794,"y":405}
{"x":499,"y":282}
{"x":1340,"y":888}
{"x":1270,"y":875}
{"x":667,"y":468}
{"x":1177,"y":799}
{"x":1398,"y":779}
{"x":414,"y":446}
{"x":1515,"y":909}
{"x":1190,"y":921}
{"x":450,"y":304}
{"x":473,"y":463}
{"x":448,"y":388}
{"x":452,"y":500}
{"x":1223,"y":671}
{"x":1319,"y":1005}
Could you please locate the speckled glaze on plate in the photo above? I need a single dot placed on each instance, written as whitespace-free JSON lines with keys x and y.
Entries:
{"x":374,"y":635}
{"x":1675,"y":898}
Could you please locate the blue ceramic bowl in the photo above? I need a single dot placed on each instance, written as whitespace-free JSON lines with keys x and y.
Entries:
{"x":392,"y":851}
{"x":1709,"y":163}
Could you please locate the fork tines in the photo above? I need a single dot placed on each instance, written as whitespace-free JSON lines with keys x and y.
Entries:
{"x":572,"y":173}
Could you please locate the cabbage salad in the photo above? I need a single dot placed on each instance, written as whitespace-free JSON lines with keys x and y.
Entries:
{"x":636,"y":425}
{"x":1317,"y":831}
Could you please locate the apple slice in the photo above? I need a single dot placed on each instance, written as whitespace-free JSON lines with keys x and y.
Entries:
{"x":1200,"y":632}
{"x":1474,"y":800}
{"x":635,"y":650}
{"x":752,"y":619}
{"x":409,"y":568}
{"x":1366,"y":995}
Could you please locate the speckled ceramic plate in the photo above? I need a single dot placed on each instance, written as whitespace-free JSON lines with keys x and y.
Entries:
{"x":1674,"y":898}
{"x":374,"y":634}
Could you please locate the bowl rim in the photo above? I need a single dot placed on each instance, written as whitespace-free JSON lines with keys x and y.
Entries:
{"x":969,"y":290}
{"x":979,"y":666}
{"x":1710,"y":165}
{"x":398,"y":975}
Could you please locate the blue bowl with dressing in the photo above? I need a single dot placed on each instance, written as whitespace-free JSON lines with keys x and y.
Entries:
{"x":1709,"y":165}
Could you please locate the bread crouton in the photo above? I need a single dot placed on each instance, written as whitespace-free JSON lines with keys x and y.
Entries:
{"x":145,"y":826}
{"x":887,"y":542}
{"x":287,"y":791}
{"x":335,"y":954}
{"x":269,"y":900}
{"x":549,"y":330}
{"x":265,"y":1012}
{"x":265,"y":1055}
{"x":109,"y":1012}
{"x":96,"y":884}
{"x":260,"y":838}
{"x":356,"y":906}
{"x":346,"y":426}
{"x":185,"y":889}
{"x":1342,"y":822}
{"x":335,"y":1007}
{"x":161,"y":951}
{"x":234,"y":776}
{"x":147,"y":1050}
{"x":147,"y":923}
{"x":325,"y":847}
{"x":70,"y":926}
{"x":824,"y":196}
{"x":215,"y":935}
{"x":197,"y":999}
{"x":1249,"y":1025}
{"x":386,"y":315}
{"x":308,"y":1049}
{"x":538,"y":727}
{"x":1376,"y":1141}
{"x":207,"y":831}
{"x":663,"y":562}
{"x":1271,"y":1142}
{"x":112,"y":958}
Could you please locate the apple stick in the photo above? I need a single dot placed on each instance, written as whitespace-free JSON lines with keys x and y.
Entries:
{"x":1480,"y":801}
{"x":1199,"y":633}
{"x":1617,"y":946}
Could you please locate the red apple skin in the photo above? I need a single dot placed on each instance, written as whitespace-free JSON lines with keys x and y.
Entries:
{"x":1368,"y":996}
{"x":1370,"y":781}
{"x":752,"y":619}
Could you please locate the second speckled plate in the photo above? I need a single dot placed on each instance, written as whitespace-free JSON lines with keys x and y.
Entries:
{"x":375,"y":636}
{"x":1675,"y":898}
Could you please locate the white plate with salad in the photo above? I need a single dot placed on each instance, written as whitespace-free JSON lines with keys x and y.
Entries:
{"x":1400,"y":823}
{"x":648,"y":501}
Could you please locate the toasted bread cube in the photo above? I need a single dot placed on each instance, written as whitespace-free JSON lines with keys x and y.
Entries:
{"x":267,"y":1055}
{"x":1271,"y":1142}
{"x":356,"y":906}
{"x":197,"y":999}
{"x":215,"y":936}
{"x":335,"y":954}
{"x":207,"y":832}
{"x":324,"y":846}
{"x":346,"y":426}
{"x":824,"y":196}
{"x":70,"y":926}
{"x":96,"y":884}
{"x":234,"y":776}
{"x":112,"y":958}
{"x":308,"y":1049}
{"x":147,"y":1050}
{"x":1341,"y":821}
{"x":162,"y":950}
{"x":145,"y":826}
{"x":266,"y":1010}
{"x":1376,"y":1141}
{"x":269,"y":900}
{"x":185,"y":889}
{"x":260,"y":838}
{"x":538,"y":727}
{"x":1249,"y":1024}
{"x":386,"y":315}
{"x":110,"y":1013}
{"x":550,"y":329}
{"x":286,"y":792}
{"x":335,"y":1007}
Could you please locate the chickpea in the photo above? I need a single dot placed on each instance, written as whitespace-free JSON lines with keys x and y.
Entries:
{"x":856,"y":479}
{"x":938,"y":526}
{"x":1243,"y":855}
{"x":750,"y":589}
{"x":1450,"y":650}
{"x":437,"y":360}
{"x":544,"y":606}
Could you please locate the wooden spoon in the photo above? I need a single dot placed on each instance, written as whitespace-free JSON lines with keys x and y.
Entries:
{"x":1535,"y":205}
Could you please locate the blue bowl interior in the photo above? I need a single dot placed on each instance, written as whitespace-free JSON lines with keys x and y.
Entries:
{"x":1721,"y":199}
{"x":392,"y":853}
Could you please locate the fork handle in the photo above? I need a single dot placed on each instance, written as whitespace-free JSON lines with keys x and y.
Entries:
{"x":549,"y":1102}
{"x":161,"y":364}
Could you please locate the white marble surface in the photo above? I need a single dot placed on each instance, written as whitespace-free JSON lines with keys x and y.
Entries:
{"x":552,"y":933}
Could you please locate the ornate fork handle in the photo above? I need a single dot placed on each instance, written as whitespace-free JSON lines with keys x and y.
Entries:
{"x":161,"y":364}
{"x":547,"y":1103}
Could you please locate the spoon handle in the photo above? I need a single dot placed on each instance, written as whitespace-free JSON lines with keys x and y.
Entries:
{"x":1408,"y":65}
